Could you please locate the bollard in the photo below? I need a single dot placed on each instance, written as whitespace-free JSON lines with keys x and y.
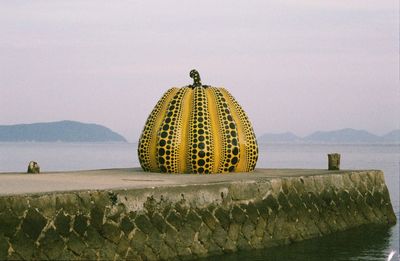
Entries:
{"x":334,"y":161}
{"x":33,"y":167}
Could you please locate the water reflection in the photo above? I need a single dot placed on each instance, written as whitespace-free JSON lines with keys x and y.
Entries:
{"x":364,"y":243}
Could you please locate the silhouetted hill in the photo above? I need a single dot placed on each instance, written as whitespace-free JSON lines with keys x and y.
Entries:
{"x":66,"y":131}
{"x":336,"y":136}
{"x":278,"y":137}
{"x":393,"y":136}
{"x":343,"y":136}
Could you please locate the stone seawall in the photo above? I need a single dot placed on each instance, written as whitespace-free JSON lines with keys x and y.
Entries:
{"x":189,"y":221}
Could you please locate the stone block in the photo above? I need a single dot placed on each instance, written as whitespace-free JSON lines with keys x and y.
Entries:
{"x":243,"y":244}
{"x":175,"y":219}
{"x":101,"y":199}
{"x":219,"y":236}
{"x":166,"y":253}
{"x":144,"y":224}
{"x":204,"y":235}
{"x":154,"y":241}
{"x":149,"y":254}
{"x":241,"y":191}
{"x":198,"y":249}
{"x":238,"y":215}
{"x":76,"y":244}
{"x":89,"y":254}
{"x":193,"y":219}
{"x":214,"y":249}
{"x":114,"y":212}
{"x":111,"y":231}
{"x":252,"y":212}
{"x":107,"y":251}
{"x":80,"y":224}
{"x":223,"y":217}
{"x":33,"y":224}
{"x":18,"y":204}
{"x":123,"y":246}
{"x":133,"y":255}
{"x":8,"y":222}
{"x":126,"y":225}
{"x":68,"y":255}
{"x":260,"y":228}
{"x":68,"y":202}
{"x":208,"y":219}
{"x":45,"y":204}
{"x":52,"y":244}
{"x":23,"y":245}
{"x":4,"y":246}
{"x":170,"y":236}
{"x":138,"y":240}
{"x":62,"y":223}
{"x":233,"y":232}
{"x":248,"y":229}
{"x":185,"y":236}
{"x":271,"y":202}
{"x":158,"y":221}
{"x":97,"y":217}
{"x":93,"y":238}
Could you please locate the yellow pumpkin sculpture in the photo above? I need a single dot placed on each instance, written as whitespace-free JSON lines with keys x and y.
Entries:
{"x":198,"y":129}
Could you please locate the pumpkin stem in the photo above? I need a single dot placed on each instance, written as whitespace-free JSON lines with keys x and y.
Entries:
{"x":196,"y":78}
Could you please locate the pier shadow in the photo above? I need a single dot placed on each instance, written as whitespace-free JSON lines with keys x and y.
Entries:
{"x":370,"y":242}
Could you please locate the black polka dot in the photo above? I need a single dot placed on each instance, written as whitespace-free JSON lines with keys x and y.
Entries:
{"x":201,"y":162}
{"x":161,"y":152}
{"x":161,"y":160}
{"x":234,"y":160}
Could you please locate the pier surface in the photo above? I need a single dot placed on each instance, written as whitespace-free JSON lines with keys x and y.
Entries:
{"x":21,"y":183}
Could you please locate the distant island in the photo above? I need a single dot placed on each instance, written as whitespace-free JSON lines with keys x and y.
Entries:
{"x":63,"y":131}
{"x":336,"y":136}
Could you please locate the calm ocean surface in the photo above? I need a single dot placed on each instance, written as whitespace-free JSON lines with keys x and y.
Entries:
{"x":372,"y":243}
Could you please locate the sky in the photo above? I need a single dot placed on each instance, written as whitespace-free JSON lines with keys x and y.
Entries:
{"x":293,"y":65}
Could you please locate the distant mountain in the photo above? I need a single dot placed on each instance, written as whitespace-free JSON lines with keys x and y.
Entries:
{"x":278,"y":137}
{"x":343,"y":136}
{"x":337,"y":136}
{"x":393,"y":136}
{"x":65,"y":131}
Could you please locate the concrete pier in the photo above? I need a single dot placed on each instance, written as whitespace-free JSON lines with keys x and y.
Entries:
{"x":129,"y":214}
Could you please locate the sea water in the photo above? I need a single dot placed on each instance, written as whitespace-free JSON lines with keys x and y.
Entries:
{"x":366,"y":243}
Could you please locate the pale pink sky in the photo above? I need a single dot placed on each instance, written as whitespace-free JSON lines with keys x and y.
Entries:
{"x":294,"y":66}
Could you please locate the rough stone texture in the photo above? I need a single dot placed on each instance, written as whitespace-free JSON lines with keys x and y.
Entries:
{"x":189,"y":221}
